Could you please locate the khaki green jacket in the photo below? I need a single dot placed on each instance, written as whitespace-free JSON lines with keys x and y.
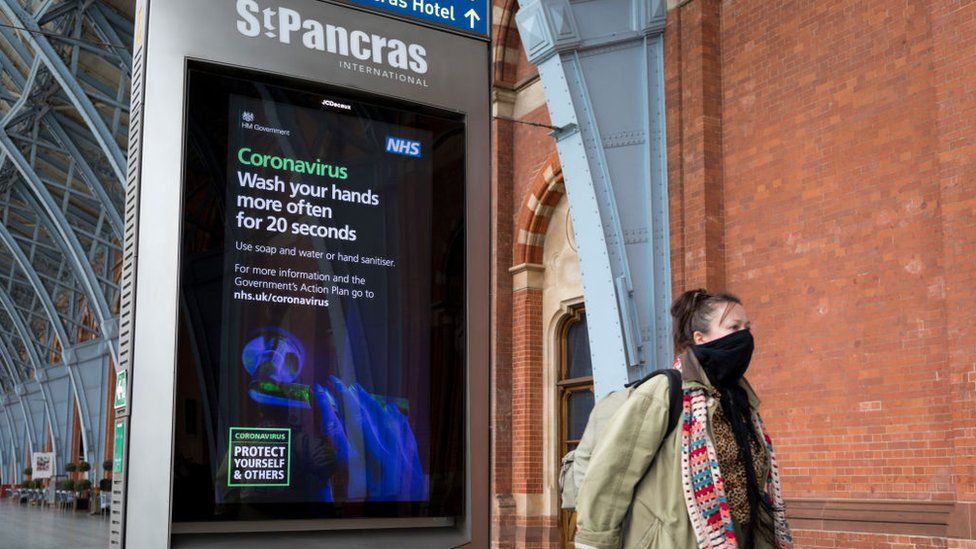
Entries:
{"x":631,"y":496}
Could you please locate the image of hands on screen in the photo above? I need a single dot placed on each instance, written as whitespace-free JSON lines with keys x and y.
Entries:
{"x":371,"y":450}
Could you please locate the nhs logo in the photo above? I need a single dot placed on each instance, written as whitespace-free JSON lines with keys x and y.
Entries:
{"x":401,"y":146}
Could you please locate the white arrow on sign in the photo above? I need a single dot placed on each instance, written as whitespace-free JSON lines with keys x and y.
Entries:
{"x":472,"y":16}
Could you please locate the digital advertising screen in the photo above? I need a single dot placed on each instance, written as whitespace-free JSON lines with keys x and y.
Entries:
{"x":321,"y":369}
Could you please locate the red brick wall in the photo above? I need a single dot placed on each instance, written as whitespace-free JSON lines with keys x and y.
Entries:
{"x":822,"y":165}
{"x":831,"y":540}
{"x":833,"y":225}
{"x":533,"y":148}
{"x":825,"y":540}
{"x":836,"y":199}
{"x":520,"y":153}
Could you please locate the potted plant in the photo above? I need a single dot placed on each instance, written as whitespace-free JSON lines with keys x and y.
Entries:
{"x":71,"y":467}
{"x":24,"y":496}
{"x":82,"y":488}
{"x":105,"y":485}
{"x":84,"y":466}
{"x":28,"y":471}
{"x":107,"y":465}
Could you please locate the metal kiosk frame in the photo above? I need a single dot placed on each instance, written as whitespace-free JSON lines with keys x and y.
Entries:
{"x":169,"y":33}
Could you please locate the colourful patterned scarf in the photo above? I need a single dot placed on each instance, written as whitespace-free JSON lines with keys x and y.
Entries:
{"x":704,"y":488}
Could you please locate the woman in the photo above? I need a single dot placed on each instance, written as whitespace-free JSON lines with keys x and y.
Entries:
{"x":713,"y":481}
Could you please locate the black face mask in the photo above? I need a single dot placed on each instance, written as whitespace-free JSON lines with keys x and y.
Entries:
{"x":726,"y":359}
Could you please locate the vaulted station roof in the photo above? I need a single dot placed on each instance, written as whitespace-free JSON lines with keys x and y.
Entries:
{"x":65,"y":67}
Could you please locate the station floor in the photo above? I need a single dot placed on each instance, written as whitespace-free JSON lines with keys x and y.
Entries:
{"x":27,"y":527}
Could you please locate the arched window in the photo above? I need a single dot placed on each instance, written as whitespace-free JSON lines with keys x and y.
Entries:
{"x":575,"y":387}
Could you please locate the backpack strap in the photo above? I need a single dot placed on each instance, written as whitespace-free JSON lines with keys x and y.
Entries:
{"x":674,"y":394}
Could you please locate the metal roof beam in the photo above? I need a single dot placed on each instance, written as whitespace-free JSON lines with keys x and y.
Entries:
{"x":15,"y":450}
{"x":54,"y":125}
{"x":24,"y":94}
{"x":16,"y":13}
{"x":8,"y":364}
{"x":35,"y":282}
{"x":124,"y":26}
{"x":84,"y":45}
{"x":44,"y":144}
{"x":29,"y":342}
{"x":88,"y":176}
{"x":54,"y":280}
{"x":100,"y":94}
{"x":50,"y":14}
{"x":40,"y":199}
{"x":109,"y":35}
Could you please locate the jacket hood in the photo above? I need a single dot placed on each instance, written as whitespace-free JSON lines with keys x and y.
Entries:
{"x":692,"y":372}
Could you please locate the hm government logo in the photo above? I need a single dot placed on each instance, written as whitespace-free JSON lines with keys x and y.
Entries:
{"x":358,"y":51}
{"x":247,"y":123}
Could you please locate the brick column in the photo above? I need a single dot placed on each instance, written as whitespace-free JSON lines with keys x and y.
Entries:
{"x":526,"y":379}
{"x":503,"y":505}
{"x":693,"y":87}
{"x":533,"y":528}
{"x":954,"y":48}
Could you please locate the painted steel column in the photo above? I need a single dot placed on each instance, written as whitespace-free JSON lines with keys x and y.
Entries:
{"x":19,"y":391}
{"x":12,"y":448}
{"x":601,"y":63}
{"x":6,"y":359}
{"x":39,"y":371}
{"x":38,"y":416}
{"x":6,"y":445}
{"x":21,"y":438}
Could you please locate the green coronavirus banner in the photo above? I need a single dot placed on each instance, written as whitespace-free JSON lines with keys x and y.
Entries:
{"x":119,"y":447}
{"x":259,"y":457}
{"x":120,"y":390}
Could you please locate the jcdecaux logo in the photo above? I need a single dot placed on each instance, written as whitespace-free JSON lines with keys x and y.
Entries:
{"x":404,"y":147}
{"x":287,"y":26}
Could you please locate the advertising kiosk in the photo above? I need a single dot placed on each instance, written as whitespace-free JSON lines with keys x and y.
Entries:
{"x":304,"y":330}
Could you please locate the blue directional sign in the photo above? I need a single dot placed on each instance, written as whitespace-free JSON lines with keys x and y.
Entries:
{"x":466,"y":15}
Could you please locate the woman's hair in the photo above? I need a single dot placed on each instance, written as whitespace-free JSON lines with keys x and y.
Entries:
{"x":693,"y":311}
